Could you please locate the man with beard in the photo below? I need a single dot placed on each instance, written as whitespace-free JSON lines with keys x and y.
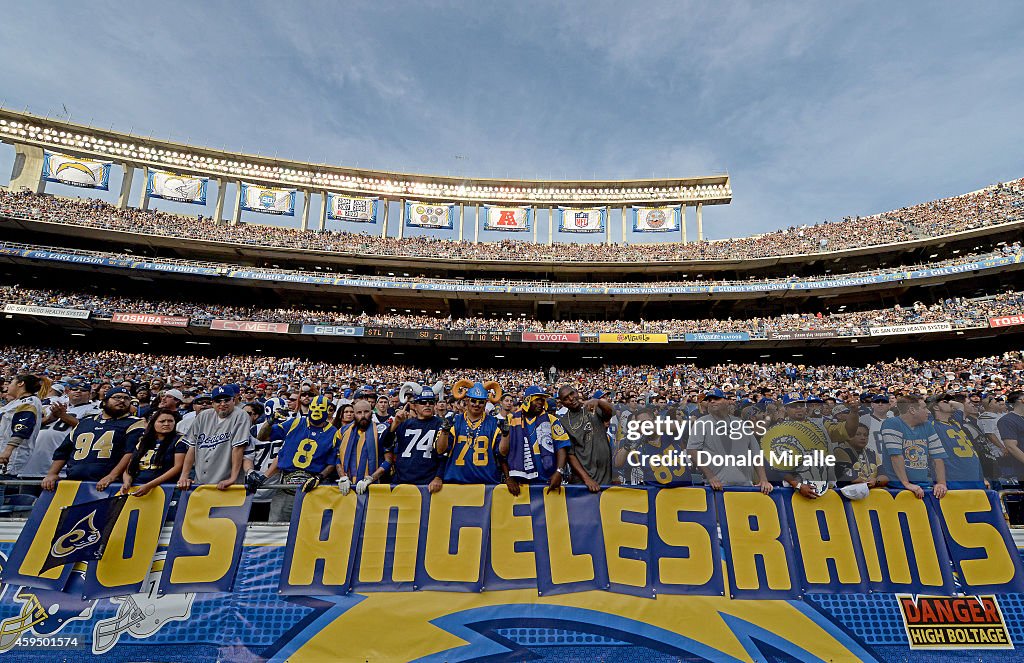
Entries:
{"x":359,"y":449}
{"x":216,"y":443}
{"x":412,"y":445}
{"x":100,"y":446}
{"x":57,"y":423}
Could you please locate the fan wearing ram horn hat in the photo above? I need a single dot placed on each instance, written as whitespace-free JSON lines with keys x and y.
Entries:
{"x":479,"y":443}
{"x":413,"y":448}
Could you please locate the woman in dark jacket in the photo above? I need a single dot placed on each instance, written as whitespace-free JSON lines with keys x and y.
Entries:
{"x":159,"y":456}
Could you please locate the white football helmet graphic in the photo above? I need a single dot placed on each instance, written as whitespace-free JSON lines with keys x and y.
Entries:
{"x":46,"y":612}
{"x":143,"y":614}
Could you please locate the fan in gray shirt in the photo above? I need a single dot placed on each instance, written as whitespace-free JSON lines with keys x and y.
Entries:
{"x":216,"y":444}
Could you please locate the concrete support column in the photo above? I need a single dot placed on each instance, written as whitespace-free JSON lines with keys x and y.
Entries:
{"x":305,"y":210}
{"x":476,"y":227}
{"x":682,"y":223}
{"x":608,"y":224}
{"x":700,"y":222}
{"x":28,"y":169}
{"x":401,"y":219}
{"x":533,"y":214}
{"x":387,"y":211}
{"x":551,"y":225}
{"x":462,"y":219}
{"x":218,"y":211}
{"x":126,"y":185}
{"x":236,"y":213}
{"x":625,"y":216}
{"x":144,"y":194}
{"x":323,"y":211}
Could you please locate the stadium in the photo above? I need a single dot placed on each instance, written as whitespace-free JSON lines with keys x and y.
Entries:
{"x":258,"y":408}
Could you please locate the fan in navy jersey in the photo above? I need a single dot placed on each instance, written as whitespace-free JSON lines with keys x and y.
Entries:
{"x":412,"y":445}
{"x":963,"y":466}
{"x":479,"y":444}
{"x":158,"y":456}
{"x":99,"y":447}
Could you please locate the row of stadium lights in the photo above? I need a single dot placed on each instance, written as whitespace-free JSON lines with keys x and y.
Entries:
{"x":364,"y":184}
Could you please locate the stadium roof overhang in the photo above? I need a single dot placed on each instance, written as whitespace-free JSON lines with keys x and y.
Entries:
{"x":125,"y":148}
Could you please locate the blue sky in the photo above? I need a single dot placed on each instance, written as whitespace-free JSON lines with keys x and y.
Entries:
{"x":817,"y":110}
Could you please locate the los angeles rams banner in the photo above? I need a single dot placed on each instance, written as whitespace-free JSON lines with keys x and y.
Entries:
{"x":511,"y":219}
{"x":350,"y":208}
{"x":76,"y":171}
{"x":268,"y":200}
{"x":473,"y":572}
{"x":429,"y":215}
{"x":576,"y":220}
{"x":656,"y":219}
{"x":178,"y":187}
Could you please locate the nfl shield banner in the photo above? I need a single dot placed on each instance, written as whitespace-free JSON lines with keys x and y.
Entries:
{"x":429,"y":215}
{"x":589,"y":220}
{"x":656,"y":219}
{"x":174,"y":186}
{"x":76,"y":171}
{"x":268,"y":199}
{"x":509,"y":219}
{"x":348,"y":208}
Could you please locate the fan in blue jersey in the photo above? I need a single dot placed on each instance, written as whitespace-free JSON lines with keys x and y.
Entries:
{"x":963,"y":466}
{"x":359,"y":452}
{"x":538,"y":444}
{"x":411,"y":445}
{"x":911,"y":446}
{"x":100,"y":446}
{"x":479,"y":443}
{"x":307,"y":455}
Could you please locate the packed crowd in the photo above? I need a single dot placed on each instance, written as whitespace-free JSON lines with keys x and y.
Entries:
{"x":960,"y":312}
{"x":995,"y":205}
{"x":952,"y":423}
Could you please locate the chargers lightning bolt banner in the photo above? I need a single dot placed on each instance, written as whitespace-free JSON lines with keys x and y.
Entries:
{"x":268,"y":199}
{"x":656,"y":219}
{"x":510,"y":219}
{"x":575,"y":220}
{"x":175,"y":186}
{"x":76,"y":171}
{"x":350,"y":208}
{"x":472,"y":573}
{"x":438,"y":216}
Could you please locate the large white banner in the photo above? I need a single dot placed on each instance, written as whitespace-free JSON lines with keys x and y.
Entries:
{"x":656,"y":219}
{"x":508,"y":219}
{"x":429,"y":215}
{"x":349,"y":208}
{"x":268,"y":199}
{"x":922,"y":328}
{"x":575,"y":220}
{"x":76,"y":171}
{"x":47,"y":311}
{"x":175,"y":186}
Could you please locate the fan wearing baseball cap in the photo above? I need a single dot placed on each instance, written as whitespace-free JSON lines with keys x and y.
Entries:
{"x":216,"y":443}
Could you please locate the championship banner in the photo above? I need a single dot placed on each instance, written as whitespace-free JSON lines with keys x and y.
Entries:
{"x":176,"y":186}
{"x":924,"y":328}
{"x":587,"y":220}
{"x":76,"y":171}
{"x":351,"y":208}
{"x":151,"y":319}
{"x":47,"y":311}
{"x":508,"y":219}
{"x":268,"y":199}
{"x":438,"y":216}
{"x":399,"y":546}
{"x":608,"y":337}
{"x":656,"y":219}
